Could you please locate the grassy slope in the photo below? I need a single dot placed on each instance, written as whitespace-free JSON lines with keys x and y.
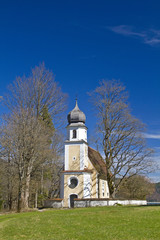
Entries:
{"x":89,"y":223}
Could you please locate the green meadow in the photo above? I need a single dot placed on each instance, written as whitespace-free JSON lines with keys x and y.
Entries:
{"x":116,"y":222}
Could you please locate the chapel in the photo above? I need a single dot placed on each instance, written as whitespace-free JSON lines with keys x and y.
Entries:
{"x":84,"y":174}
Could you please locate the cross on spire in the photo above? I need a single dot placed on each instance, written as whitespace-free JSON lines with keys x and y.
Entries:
{"x":76,"y":98}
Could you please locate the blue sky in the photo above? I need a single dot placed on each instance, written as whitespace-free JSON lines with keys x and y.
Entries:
{"x":83,"y":42}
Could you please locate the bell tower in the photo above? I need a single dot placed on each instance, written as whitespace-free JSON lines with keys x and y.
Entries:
{"x":76,"y":140}
{"x":76,"y":157}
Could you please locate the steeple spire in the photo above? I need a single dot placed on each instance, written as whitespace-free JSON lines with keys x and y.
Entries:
{"x":76,"y":100}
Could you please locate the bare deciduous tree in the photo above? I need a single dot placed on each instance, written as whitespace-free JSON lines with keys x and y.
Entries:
{"x":25,"y":138}
{"x":35,"y":92}
{"x":29,"y":146}
{"x":119,"y":134}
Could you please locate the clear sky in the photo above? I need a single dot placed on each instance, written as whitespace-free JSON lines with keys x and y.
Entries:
{"x":83,"y":42}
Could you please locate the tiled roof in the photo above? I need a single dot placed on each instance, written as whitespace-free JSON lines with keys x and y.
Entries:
{"x":98,"y":162}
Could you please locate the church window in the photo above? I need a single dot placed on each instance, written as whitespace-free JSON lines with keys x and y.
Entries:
{"x":73,"y":182}
{"x":74,"y":133}
{"x":103,"y":188}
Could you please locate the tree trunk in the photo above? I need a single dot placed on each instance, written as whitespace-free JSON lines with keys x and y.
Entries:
{"x":26,"y":193}
{"x":10,"y":201}
{"x":110,"y":184}
{"x":20,"y":197}
{"x":36,"y":198}
{"x":23,"y":194}
{"x":42,"y":179}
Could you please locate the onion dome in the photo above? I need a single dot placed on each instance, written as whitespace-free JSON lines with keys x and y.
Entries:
{"x":76,"y":115}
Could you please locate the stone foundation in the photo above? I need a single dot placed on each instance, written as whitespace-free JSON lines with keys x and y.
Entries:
{"x":92,"y":202}
{"x":78,"y":203}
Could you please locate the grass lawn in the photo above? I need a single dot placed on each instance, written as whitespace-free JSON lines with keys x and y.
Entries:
{"x":117,"y":222}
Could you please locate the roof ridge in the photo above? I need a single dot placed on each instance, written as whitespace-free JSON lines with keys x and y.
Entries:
{"x":94,"y":150}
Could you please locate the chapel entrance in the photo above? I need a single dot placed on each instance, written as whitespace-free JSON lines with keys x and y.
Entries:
{"x":72,"y":197}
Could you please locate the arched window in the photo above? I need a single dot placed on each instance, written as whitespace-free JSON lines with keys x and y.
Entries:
{"x":74,"y":133}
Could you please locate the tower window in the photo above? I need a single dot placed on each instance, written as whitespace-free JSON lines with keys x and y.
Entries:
{"x":74,"y":133}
